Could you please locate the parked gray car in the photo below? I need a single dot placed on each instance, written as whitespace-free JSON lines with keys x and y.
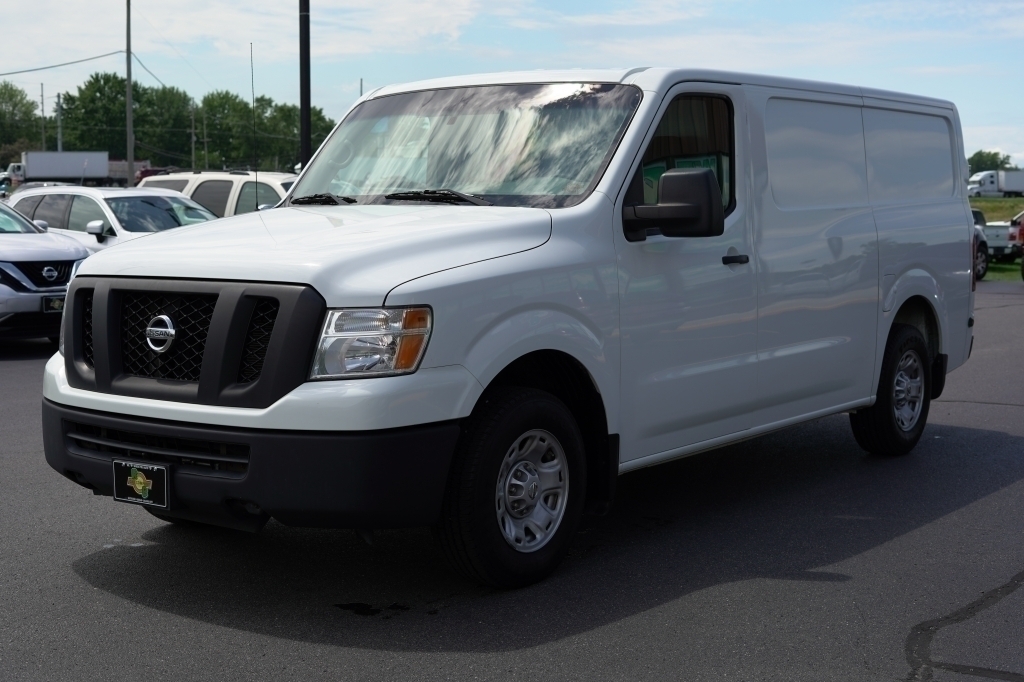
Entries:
{"x":35,"y":268}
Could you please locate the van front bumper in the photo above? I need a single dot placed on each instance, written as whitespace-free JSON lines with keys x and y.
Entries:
{"x":351,"y":479}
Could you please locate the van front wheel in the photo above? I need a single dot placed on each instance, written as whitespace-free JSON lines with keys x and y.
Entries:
{"x":516,"y":489}
{"x":894,"y":424}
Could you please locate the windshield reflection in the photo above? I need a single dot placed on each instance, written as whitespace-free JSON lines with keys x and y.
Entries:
{"x":513,"y":145}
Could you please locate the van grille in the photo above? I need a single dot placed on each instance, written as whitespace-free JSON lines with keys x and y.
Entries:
{"x":191,"y":315}
{"x":257,"y":338}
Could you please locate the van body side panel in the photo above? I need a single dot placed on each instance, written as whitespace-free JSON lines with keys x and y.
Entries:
{"x":816,"y":252}
{"x":561,"y":295}
{"x":924,"y":229}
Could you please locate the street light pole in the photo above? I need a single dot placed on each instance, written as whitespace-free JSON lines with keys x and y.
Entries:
{"x":130,"y":179}
{"x":305,"y":120}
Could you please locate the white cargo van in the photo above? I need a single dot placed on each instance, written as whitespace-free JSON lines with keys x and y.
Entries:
{"x":486,"y":297}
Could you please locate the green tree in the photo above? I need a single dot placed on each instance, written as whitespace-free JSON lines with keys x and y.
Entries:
{"x":18,"y":123}
{"x":94,"y":117}
{"x":986,"y":161}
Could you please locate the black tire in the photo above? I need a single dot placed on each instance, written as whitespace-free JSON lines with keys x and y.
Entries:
{"x":876,"y":428}
{"x":981,"y":262}
{"x":469,"y":530}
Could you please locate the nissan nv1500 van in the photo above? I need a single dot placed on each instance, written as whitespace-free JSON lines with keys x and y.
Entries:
{"x":486,"y":297}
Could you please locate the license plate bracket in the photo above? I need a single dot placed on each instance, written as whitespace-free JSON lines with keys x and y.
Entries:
{"x":53,"y":304}
{"x":140,"y":483}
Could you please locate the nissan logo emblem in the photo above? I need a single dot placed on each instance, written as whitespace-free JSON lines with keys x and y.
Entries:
{"x":50,"y":273}
{"x":160,"y":334}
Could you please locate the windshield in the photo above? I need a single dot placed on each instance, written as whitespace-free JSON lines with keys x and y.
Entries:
{"x":156,"y":213}
{"x":513,"y":145}
{"x":12,"y":221}
{"x":976,"y":178}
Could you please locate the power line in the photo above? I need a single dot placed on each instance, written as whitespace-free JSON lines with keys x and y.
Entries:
{"x":171,"y":45}
{"x":57,"y":66}
{"x":147,"y":70}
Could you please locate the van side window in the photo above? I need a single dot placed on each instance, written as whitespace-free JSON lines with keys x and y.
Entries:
{"x":815,"y":154}
{"x":213,"y":195}
{"x":695,"y":132}
{"x":910,"y":156}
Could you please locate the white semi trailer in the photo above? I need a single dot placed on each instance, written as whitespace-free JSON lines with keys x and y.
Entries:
{"x":1004,"y":183}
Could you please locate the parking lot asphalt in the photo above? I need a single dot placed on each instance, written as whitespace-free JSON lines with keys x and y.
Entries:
{"x":793,"y":556}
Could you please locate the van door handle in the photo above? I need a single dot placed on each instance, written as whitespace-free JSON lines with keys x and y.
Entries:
{"x":735,"y":260}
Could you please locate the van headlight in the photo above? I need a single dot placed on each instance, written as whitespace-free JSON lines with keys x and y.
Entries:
{"x":369,"y":342}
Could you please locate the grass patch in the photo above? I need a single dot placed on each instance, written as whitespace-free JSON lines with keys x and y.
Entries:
{"x":996,"y":209}
{"x":1003,"y":272}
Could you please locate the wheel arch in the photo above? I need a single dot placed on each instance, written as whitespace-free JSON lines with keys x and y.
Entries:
{"x":568,"y":379}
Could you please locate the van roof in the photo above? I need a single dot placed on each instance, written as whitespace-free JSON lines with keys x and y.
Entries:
{"x":655,"y":79}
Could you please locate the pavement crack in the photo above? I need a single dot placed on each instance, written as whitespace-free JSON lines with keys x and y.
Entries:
{"x":919,"y":641}
{"x":980,"y":402}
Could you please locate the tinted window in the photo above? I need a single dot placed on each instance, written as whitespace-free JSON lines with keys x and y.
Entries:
{"x":287,"y":184}
{"x":910,"y":156}
{"x":12,"y":221}
{"x":815,"y":154}
{"x":83,"y":211}
{"x":156,"y":213}
{"x":52,"y":209}
{"x":254,"y":194}
{"x":26,"y":206}
{"x":176,"y":185}
{"x":695,"y":132}
{"x":213,"y":194}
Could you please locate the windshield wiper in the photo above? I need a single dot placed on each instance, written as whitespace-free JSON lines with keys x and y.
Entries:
{"x":444,"y":196}
{"x":324,"y":199}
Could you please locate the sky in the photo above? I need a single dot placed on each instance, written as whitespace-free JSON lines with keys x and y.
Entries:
{"x":967,"y":52}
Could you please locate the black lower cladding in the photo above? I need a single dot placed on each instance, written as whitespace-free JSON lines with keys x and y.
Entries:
{"x":391,"y":478}
{"x":29,"y":325}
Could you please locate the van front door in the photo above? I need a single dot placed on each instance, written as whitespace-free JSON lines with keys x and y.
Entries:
{"x":688,"y":319}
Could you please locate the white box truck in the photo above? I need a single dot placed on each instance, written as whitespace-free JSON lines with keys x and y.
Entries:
{"x":76,"y":167}
{"x":1004,"y":183}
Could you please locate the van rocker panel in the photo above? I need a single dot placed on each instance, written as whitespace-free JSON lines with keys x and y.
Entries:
{"x":389,"y":478}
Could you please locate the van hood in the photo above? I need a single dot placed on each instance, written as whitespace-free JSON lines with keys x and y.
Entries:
{"x":352,"y":255}
{"x":44,"y":246}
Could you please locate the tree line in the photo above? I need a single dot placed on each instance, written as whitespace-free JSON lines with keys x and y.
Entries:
{"x":93,"y":119}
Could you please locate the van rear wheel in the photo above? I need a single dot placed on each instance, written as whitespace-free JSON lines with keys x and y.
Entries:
{"x":516,"y":489}
{"x":894,"y":424}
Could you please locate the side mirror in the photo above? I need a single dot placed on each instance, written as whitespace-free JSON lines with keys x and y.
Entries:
{"x":95,"y":228}
{"x":42,"y":225}
{"x":689,"y":205}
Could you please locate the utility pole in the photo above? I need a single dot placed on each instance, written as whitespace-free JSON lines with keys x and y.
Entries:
{"x":360,"y":87}
{"x":206,"y":146}
{"x":42,"y":115}
{"x":305,"y":120}
{"x":60,"y":129}
{"x":130,"y":179}
{"x":193,"y":135}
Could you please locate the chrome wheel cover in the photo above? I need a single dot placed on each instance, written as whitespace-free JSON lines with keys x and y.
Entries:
{"x":908,"y":391}
{"x":532,"y":489}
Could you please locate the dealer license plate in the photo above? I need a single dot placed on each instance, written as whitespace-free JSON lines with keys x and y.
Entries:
{"x":53,"y":304}
{"x":140,"y":483}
